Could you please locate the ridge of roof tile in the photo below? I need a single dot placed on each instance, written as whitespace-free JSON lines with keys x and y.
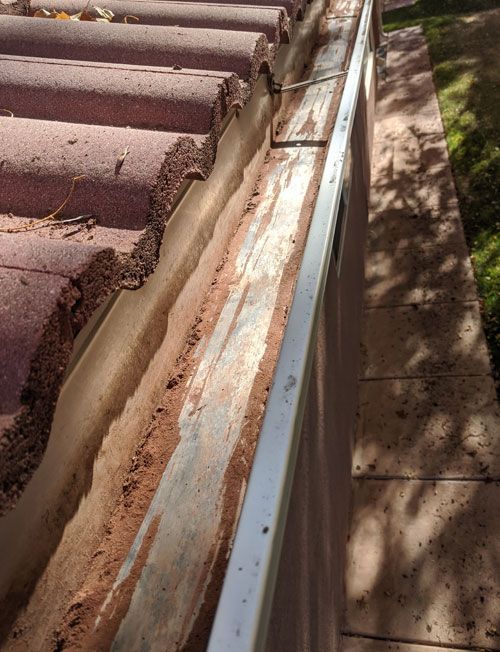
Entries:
{"x":244,"y":53}
{"x":272,"y":21}
{"x":82,"y":95}
{"x":83,"y":92}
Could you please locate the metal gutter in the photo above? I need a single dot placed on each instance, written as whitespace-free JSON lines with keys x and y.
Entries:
{"x":243,"y":612}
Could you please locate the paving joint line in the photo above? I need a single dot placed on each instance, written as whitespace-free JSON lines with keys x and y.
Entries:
{"x":447,"y":205}
{"x":411,"y":641}
{"x":427,"y":377}
{"x":377,"y":140}
{"x":428,"y":478}
{"x":423,"y":303}
{"x":460,"y":240}
{"x":420,"y":303}
{"x":437,"y":167}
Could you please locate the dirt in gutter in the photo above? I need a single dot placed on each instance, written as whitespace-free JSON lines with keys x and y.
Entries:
{"x":157,"y":446}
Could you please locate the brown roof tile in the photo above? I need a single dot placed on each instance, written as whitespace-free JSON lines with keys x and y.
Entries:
{"x":245,"y":53}
{"x":271,"y":21}
{"x":82,"y":94}
{"x":117,"y":95}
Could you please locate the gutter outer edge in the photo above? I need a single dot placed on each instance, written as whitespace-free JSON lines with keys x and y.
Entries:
{"x":244,"y":608}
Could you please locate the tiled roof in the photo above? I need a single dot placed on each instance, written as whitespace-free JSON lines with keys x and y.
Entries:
{"x":132,"y":109}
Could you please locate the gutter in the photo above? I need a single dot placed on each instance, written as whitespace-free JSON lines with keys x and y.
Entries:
{"x":244,"y":607}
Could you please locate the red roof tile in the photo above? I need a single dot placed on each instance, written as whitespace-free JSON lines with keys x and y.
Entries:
{"x":272,"y":21}
{"x":118,"y":95}
{"x":82,"y":94}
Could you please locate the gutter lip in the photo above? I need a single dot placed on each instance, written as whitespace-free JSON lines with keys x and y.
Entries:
{"x":244,"y":608}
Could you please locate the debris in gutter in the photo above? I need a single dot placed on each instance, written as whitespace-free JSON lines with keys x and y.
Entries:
{"x":7,"y":110}
{"x":103,"y":15}
{"x":129,"y":17}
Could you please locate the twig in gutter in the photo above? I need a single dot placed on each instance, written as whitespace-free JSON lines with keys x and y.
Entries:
{"x":129,"y":17}
{"x":48,"y":218}
{"x":8,"y":111}
{"x":68,"y":221}
{"x":120,"y":160}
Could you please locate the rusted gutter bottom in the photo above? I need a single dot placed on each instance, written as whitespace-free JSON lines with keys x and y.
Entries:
{"x":123,"y":361}
{"x":243,"y":611}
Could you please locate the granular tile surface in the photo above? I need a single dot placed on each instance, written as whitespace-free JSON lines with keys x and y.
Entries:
{"x":106,"y":121}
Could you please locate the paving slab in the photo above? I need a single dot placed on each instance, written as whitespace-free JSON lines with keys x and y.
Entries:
{"x":406,"y":228}
{"x":410,"y":96}
{"x":424,"y":340}
{"x":363,"y":644}
{"x":423,"y":275}
{"x":396,"y":126}
{"x":406,"y":40}
{"x":434,"y":188}
{"x":423,"y":562}
{"x":432,"y":427}
{"x":397,"y":4}
{"x":408,"y":154}
{"x":405,"y":64}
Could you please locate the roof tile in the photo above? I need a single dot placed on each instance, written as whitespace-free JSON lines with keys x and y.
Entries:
{"x":83,"y":94}
{"x":271,"y":21}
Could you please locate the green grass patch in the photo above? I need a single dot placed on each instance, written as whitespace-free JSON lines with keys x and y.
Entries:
{"x":464,"y":45}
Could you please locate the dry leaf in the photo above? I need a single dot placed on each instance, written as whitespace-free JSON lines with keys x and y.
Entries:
{"x":121,"y":159}
{"x":128,"y":17}
{"x":84,"y":16}
{"x":103,"y":15}
{"x":43,"y":13}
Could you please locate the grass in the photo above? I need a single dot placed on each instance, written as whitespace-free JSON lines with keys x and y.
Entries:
{"x":464,"y":45}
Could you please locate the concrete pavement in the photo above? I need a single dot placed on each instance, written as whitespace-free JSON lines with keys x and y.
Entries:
{"x":423,"y":565}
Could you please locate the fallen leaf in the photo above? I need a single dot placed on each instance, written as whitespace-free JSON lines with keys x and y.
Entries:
{"x":121,"y":159}
{"x":84,"y":16}
{"x":43,"y":13}
{"x":105,"y":14}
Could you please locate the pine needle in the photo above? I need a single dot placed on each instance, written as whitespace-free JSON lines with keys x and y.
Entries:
{"x":47,"y":218}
